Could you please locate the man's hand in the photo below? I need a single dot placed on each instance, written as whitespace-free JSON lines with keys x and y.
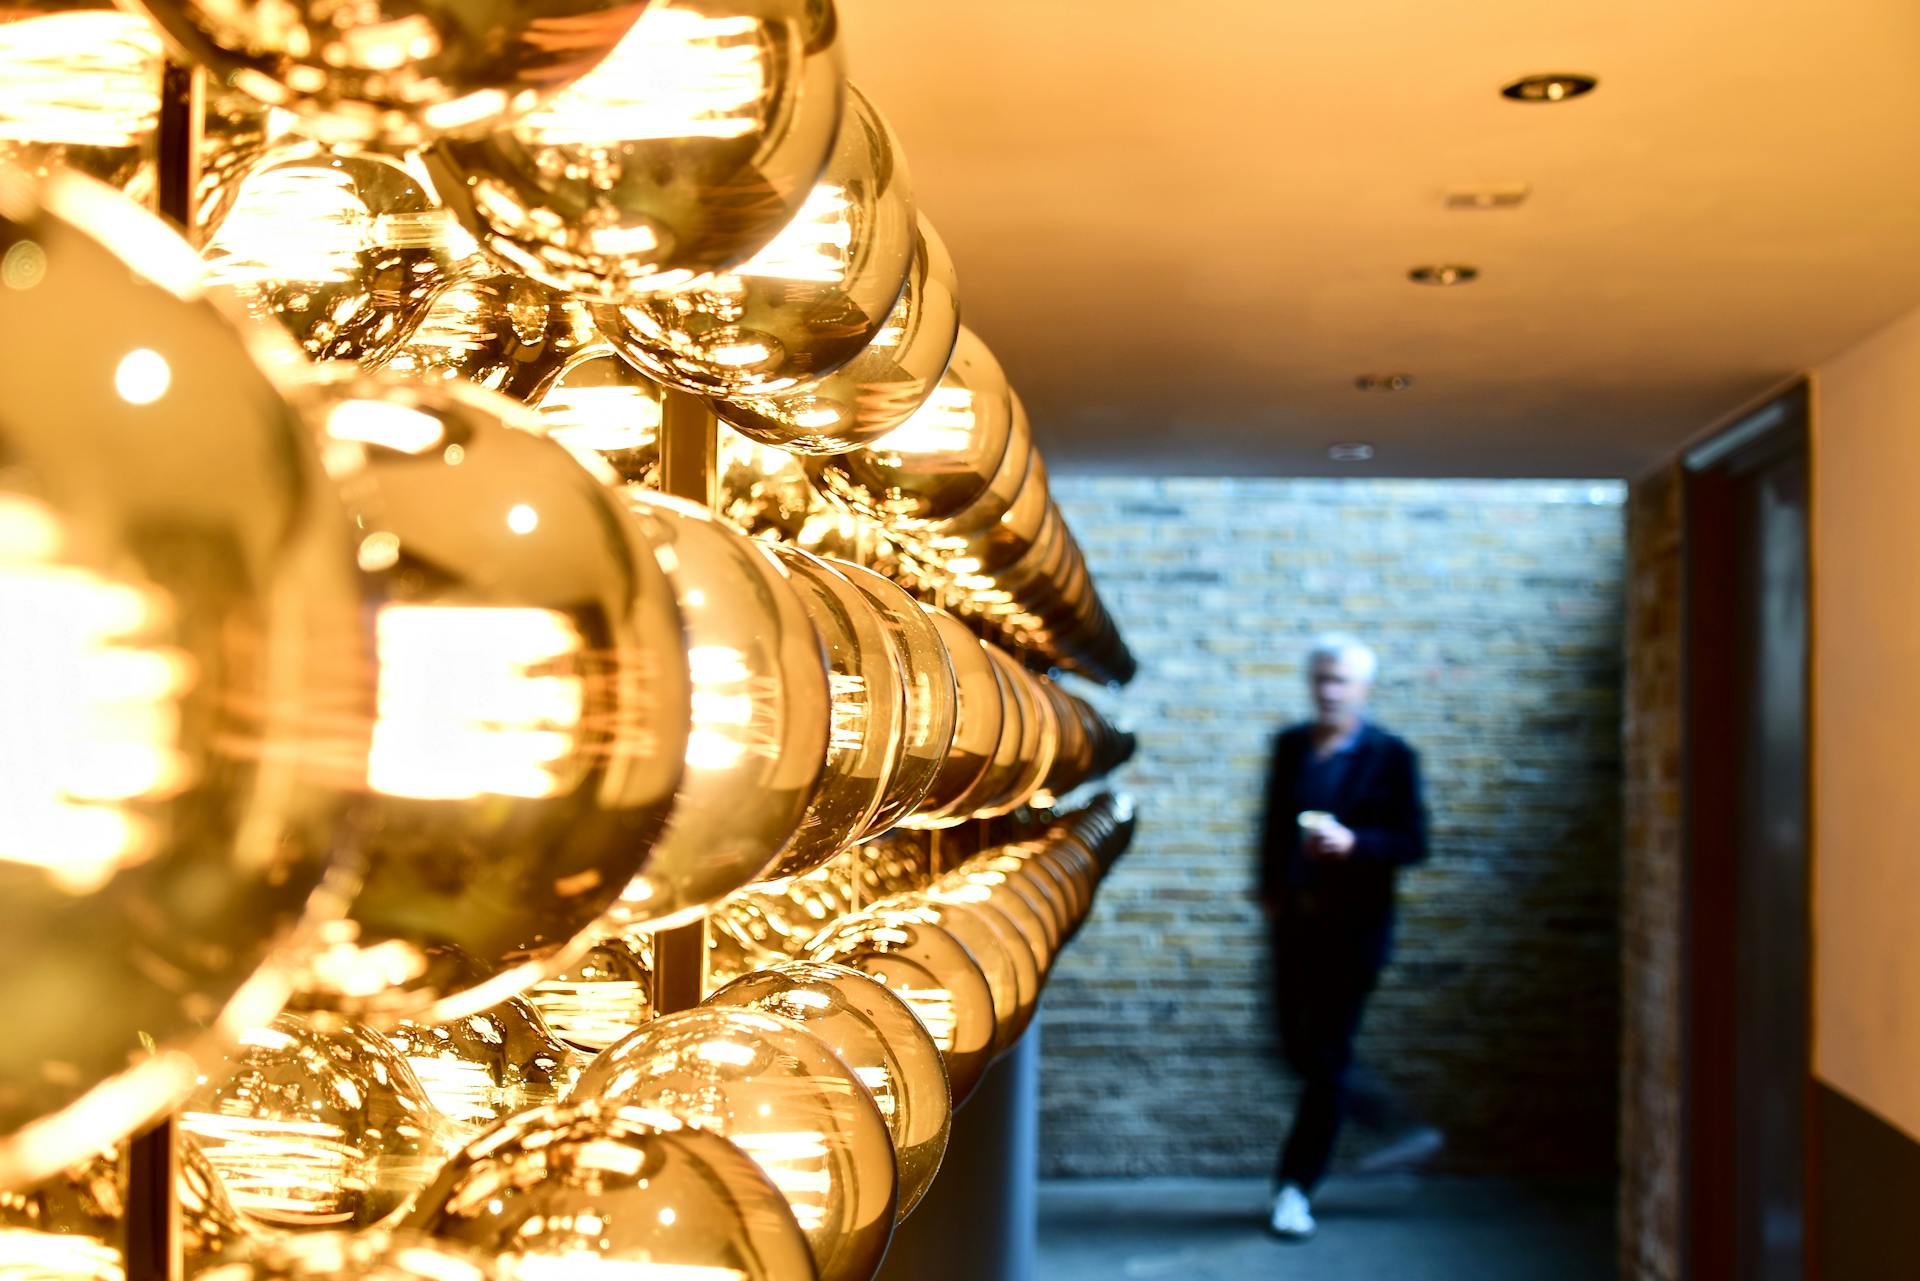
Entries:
{"x":1331,"y":841}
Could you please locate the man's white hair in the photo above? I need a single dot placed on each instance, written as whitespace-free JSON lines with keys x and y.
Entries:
{"x":1341,"y":647}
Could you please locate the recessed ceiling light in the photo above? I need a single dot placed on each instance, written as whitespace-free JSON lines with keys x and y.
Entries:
{"x":1444,"y":273}
{"x":1351,"y":451}
{"x":1383,"y":382}
{"x":1551,"y":86}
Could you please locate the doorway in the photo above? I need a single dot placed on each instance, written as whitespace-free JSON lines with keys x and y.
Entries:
{"x":1748,"y":1045}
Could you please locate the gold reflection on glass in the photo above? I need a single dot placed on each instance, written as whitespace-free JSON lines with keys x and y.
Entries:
{"x":807,"y":303}
{"x":877,"y":1036}
{"x":79,"y":88}
{"x":401,"y":71}
{"x":346,"y":1256}
{"x":184,"y":675}
{"x":936,"y":464}
{"x":533,"y":700}
{"x":979,"y":719}
{"x":932,"y":696}
{"x":786,"y":1100}
{"x":316,"y":1129}
{"x":994,"y":948}
{"x":344,"y":249}
{"x":1021,"y":906}
{"x":932,"y":972}
{"x":88,"y":1204}
{"x":881,"y":387}
{"x":685,"y":152}
{"x":598,"y":1194}
{"x":489,"y":1066}
{"x":995,"y":916}
{"x":602,"y":997}
{"x":867,"y":706}
{"x":760,"y":717}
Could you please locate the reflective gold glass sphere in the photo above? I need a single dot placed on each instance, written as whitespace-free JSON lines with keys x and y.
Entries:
{"x":402,"y":71}
{"x":317,"y":1129}
{"x":807,"y":303}
{"x":995,"y":789}
{"x":185,"y":673}
{"x":786,"y":1100}
{"x":79,"y":89}
{"x":1046,"y":891}
{"x":879,"y":389}
{"x":344,"y":249}
{"x":949,"y":537}
{"x":763,"y":491}
{"x":877,"y":1036}
{"x":601,"y":997}
{"x":1039,"y":739}
{"x":347,"y":1256}
{"x":996,"y":948}
{"x":941,"y":460}
{"x":1018,"y":904}
{"x":499,"y":331}
{"x":780,"y":920}
{"x":868,"y":705}
{"x":489,"y":1066}
{"x":685,"y":152}
{"x":932,"y":699}
{"x":760,"y":718}
{"x":533,"y":700}
{"x":566,"y":1193}
{"x":979,"y":719}
{"x":933,"y":973}
{"x":1029,"y":974}
{"x":89,"y":1202}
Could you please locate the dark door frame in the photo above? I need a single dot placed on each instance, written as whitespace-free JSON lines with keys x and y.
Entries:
{"x":1713,"y":714}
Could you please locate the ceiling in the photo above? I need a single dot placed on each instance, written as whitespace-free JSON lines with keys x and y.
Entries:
{"x":1186,"y":228}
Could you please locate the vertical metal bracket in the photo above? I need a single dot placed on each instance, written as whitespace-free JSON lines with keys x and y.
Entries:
{"x":152,"y":1225}
{"x":177,"y":158}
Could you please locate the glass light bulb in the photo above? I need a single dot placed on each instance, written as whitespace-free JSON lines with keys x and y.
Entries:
{"x":399,"y":71}
{"x":878,"y":389}
{"x":185,"y":674}
{"x":685,"y":152}
{"x":314,"y":1129}
{"x":979,"y":727}
{"x":877,"y":1036}
{"x":533,"y":700}
{"x":1013,"y":983}
{"x":780,"y":1095}
{"x":486,"y":1067}
{"x":602,"y":997}
{"x":807,"y":303}
{"x":88,"y":1204}
{"x":586,"y":1193}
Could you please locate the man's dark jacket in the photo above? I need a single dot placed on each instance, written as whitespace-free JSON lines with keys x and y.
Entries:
{"x":1378,"y":798}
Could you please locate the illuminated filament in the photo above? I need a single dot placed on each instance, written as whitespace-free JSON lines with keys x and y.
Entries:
{"x":678,"y":74}
{"x":934,"y":1006}
{"x":795,"y":1161}
{"x":303,"y":223}
{"x":281,"y":1171}
{"x":465,"y":709}
{"x":816,"y":247}
{"x":944,"y":425}
{"x":89,"y":718}
{"x":729,"y":721}
{"x":590,"y":1012}
{"x":848,"y":730}
{"x":89,"y":79}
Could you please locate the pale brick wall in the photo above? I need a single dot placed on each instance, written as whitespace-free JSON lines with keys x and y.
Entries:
{"x":1497,"y":609}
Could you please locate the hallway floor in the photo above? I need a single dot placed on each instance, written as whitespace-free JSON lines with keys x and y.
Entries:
{"x":1404,"y":1228}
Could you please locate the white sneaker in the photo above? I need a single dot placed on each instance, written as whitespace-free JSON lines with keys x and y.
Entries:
{"x":1292,"y":1218}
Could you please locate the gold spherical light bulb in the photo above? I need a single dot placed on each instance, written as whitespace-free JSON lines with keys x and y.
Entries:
{"x":760,"y":718}
{"x":949,"y":537}
{"x":762,"y":491}
{"x":601,"y":997}
{"x":348,"y":1256}
{"x":897,"y":863}
{"x":1021,"y":905}
{"x":780,"y":920}
{"x":88,"y":1203}
{"x":807,"y":303}
{"x":1051,"y":896}
{"x":1039,"y":741}
{"x":486,"y":1067}
{"x":533,"y":700}
{"x":881,"y":387}
{"x":884,"y":1043}
{"x":563,"y":1193}
{"x":499,"y":331}
{"x":311,"y":1129}
{"x":868,"y":707}
{"x":979,"y":718}
{"x":932,"y":700}
{"x":79,"y":89}
{"x":933,"y":973}
{"x":399,"y":71}
{"x":685,"y":152}
{"x":185,"y":674}
{"x":1029,"y":968}
{"x":996,"y":949}
{"x":941,"y":460}
{"x":1002,"y":775}
{"x":345,"y":249}
{"x":786,"y":1100}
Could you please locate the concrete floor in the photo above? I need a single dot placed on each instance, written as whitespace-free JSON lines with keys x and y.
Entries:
{"x":1403,"y":1228}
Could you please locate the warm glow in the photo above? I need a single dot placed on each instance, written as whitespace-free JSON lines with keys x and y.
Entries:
{"x":585,"y":1265}
{"x":678,"y":74}
{"x":142,"y":376}
{"x":815,"y":247}
{"x":88,"y":716}
{"x":944,"y":425}
{"x":390,"y":426}
{"x":303,"y":223}
{"x":280,"y":1171}
{"x":89,"y":79}
{"x":590,"y":1011}
{"x":724,"y":732}
{"x":462,"y":712}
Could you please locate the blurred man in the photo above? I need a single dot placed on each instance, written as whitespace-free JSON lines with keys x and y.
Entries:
{"x":1344,"y":813}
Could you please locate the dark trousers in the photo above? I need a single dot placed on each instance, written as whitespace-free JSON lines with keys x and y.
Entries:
{"x":1326,"y":966}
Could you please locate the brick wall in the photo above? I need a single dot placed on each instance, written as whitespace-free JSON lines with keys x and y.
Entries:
{"x":1650,"y":911}
{"x":1497,"y":609}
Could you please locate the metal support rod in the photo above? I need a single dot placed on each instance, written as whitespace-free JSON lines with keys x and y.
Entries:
{"x":152,"y":1242}
{"x":689,"y":442}
{"x":177,"y":158}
